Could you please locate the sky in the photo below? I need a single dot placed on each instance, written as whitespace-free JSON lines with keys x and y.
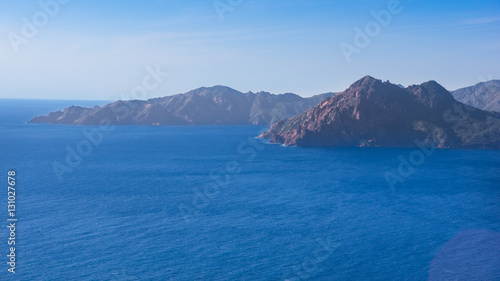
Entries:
{"x":109,"y":50}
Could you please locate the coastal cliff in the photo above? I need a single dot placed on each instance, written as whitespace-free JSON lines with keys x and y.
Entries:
{"x":375,"y":113}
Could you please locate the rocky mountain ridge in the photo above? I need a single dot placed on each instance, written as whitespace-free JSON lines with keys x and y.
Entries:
{"x":485,"y":95}
{"x":218,"y":105}
{"x":375,"y":113}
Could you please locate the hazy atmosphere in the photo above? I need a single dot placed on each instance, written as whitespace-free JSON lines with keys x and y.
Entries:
{"x":227,"y":140}
{"x":100,"y":50}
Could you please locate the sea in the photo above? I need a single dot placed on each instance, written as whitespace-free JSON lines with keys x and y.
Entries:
{"x":215,"y":203}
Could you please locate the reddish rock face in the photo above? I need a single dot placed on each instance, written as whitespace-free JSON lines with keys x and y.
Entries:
{"x":376,"y":113}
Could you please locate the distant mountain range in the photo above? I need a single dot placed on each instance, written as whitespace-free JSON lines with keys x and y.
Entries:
{"x":369,"y":113}
{"x":218,"y":105}
{"x":484,"y":95}
{"x":376,"y":113}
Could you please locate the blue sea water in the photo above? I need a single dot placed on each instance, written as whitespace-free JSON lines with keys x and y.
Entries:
{"x":213,"y":203}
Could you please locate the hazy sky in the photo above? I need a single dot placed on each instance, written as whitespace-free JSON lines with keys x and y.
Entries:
{"x":101,"y":49}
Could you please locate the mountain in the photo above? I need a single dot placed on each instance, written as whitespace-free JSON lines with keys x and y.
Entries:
{"x":485,"y":96}
{"x":218,"y":105}
{"x":376,"y":113}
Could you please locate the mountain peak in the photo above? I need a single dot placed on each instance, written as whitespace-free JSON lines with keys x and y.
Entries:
{"x":368,"y":78}
{"x":432,"y":94}
{"x":434,"y":86}
{"x":215,"y":88}
{"x":369,"y":88}
{"x":376,"y":113}
{"x":366,"y":81}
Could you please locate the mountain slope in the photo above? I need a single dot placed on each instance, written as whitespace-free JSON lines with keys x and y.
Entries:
{"x":218,"y":105}
{"x":485,"y":96}
{"x":376,"y":113}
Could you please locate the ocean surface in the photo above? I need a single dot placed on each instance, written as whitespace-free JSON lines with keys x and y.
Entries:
{"x":214,"y":203}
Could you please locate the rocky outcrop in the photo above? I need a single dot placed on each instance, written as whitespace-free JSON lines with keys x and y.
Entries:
{"x":216,"y":105}
{"x":485,"y":96}
{"x":376,"y":113}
